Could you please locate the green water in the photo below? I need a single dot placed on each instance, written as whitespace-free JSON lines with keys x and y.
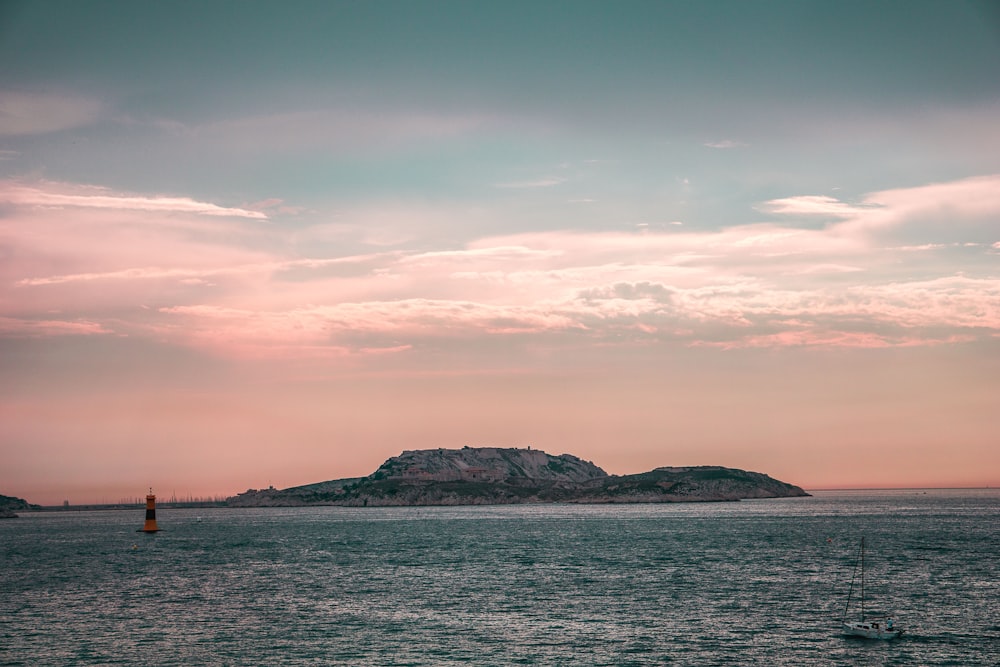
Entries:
{"x":751,"y":583}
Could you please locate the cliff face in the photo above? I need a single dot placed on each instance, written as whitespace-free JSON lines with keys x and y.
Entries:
{"x":486,"y":464}
{"x":495,"y":476}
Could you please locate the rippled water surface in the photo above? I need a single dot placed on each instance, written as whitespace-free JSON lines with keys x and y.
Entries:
{"x":757,"y":582}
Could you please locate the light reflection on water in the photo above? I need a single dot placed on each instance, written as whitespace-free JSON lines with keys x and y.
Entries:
{"x":757,"y":582}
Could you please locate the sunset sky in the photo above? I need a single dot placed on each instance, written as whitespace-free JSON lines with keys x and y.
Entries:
{"x":252,"y":243}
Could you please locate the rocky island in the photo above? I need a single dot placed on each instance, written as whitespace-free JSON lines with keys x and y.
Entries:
{"x":500,"y":476}
{"x":9,"y":505}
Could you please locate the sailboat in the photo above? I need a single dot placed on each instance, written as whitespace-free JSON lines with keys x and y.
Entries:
{"x":869,"y":628}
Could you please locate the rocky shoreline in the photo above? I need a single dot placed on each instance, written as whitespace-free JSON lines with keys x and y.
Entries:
{"x":9,"y":506}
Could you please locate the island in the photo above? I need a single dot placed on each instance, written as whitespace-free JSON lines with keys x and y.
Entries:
{"x":9,"y":506}
{"x":503,"y":476}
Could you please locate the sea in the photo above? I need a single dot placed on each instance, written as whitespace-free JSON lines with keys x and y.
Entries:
{"x":758,"y":582}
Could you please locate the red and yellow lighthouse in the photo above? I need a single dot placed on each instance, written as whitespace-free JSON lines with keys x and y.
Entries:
{"x":150,"y":525}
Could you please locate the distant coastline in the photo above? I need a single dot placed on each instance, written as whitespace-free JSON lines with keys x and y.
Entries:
{"x":103,"y":507}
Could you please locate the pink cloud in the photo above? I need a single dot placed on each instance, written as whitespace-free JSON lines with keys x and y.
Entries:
{"x":46,"y":328}
{"x":812,"y":205}
{"x":192,"y":275}
{"x":413,"y":317}
{"x":223,"y":283}
{"x":970,"y":201}
{"x":734,"y":311}
{"x":57,"y":251}
{"x":831,"y":339}
{"x":59,"y":195}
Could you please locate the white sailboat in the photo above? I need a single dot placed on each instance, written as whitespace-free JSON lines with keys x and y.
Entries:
{"x":869,"y":628}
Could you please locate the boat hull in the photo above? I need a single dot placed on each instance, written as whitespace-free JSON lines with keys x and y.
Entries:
{"x":869,"y":630}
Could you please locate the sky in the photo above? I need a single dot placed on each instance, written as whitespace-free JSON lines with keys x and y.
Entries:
{"x":252,"y":243}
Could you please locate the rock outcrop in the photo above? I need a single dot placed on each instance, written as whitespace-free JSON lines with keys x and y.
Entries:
{"x":696,"y":483}
{"x":498,"y":476}
{"x":9,"y":506}
{"x":487,"y":464}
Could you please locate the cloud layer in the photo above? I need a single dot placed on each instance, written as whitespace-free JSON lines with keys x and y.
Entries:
{"x":87,"y":261}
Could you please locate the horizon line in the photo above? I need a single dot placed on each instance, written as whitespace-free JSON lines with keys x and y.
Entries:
{"x":807,"y":489}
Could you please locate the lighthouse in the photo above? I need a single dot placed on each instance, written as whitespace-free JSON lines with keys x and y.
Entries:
{"x":150,"y":525}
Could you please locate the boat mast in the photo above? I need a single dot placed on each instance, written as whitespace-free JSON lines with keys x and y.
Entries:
{"x":850,"y":591}
{"x":862,"y":579}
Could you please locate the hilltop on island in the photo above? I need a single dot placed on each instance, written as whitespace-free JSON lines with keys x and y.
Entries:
{"x":502,"y":476}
